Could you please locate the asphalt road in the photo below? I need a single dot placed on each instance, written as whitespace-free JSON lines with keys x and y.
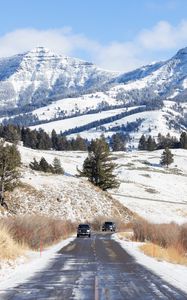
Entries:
{"x":95,"y":268}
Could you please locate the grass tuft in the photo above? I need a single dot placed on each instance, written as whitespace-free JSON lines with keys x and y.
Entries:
{"x":9,"y":248}
{"x":170,"y":254}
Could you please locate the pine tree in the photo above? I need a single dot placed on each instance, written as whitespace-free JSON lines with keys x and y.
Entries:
{"x":57,"y":168}
{"x":118,"y":142}
{"x":44,"y":141}
{"x":12,"y":134}
{"x":142,"y":143}
{"x":166,"y":158}
{"x":151,"y":144}
{"x":54,"y":139}
{"x":10,"y":161}
{"x":44,"y":166}
{"x":183,"y":140}
{"x":34,"y":165}
{"x":80,"y":143}
{"x":98,"y":167}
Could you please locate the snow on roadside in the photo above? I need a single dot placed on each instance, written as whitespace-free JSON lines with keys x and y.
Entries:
{"x":173,"y":273}
{"x":12,"y":274}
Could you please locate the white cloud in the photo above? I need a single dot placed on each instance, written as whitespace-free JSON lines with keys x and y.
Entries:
{"x":148,"y":45}
{"x":58,"y":40}
{"x":164,"y":36}
{"x":119,"y":57}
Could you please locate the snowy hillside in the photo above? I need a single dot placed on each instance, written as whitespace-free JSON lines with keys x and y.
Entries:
{"x":47,"y":88}
{"x":152,"y":191}
{"x":156,"y":193}
{"x":66,"y":196}
{"x":151,"y":122}
{"x":73,"y":122}
{"x":39,"y":75}
{"x":166,"y":80}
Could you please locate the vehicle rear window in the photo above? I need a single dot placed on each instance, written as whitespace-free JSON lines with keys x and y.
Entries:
{"x":84,"y":226}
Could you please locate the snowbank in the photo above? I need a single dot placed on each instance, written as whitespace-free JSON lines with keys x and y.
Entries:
{"x":14,"y":273}
{"x":172,"y":273}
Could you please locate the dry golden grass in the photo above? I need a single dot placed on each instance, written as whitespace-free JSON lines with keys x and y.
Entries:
{"x":125,"y":235}
{"x":170,"y":254}
{"x":9,"y":249}
{"x":36,"y":230}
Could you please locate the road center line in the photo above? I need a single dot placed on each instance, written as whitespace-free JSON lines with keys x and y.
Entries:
{"x":96,"y":288}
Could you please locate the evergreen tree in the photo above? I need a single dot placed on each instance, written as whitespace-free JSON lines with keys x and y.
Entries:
{"x":57,"y":168}
{"x":80,"y":144}
{"x":118,"y":142}
{"x":183,"y":140}
{"x":98,"y":167}
{"x":63,"y":144}
{"x":54,"y":139}
{"x":142,"y":143}
{"x":151,"y":144}
{"x":160,"y":141}
{"x":44,"y":141}
{"x":10,"y":161}
{"x":166,"y":158}
{"x":44,"y":166}
{"x":12,"y":134}
{"x":34,"y":165}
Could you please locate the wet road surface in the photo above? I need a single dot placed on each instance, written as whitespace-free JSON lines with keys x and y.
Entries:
{"x":95,"y":268}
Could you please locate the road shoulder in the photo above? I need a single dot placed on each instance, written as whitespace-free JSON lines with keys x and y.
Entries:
{"x":17,"y":272}
{"x":174,"y":274}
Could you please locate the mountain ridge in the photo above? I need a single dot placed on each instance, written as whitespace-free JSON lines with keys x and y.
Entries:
{"x":40,"y":74}
{"x":44,"y":87}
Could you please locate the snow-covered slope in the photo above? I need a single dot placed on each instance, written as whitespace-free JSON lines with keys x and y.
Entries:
{"x":151,"y":122}
{"x":39,"y":75}
{"x":55,"y":87}
{"x":158,"y":81}
{"x":165,"y":120}
{"x":65,"y":196}
{"x":69,"y":123}
{"x":156,"y":193}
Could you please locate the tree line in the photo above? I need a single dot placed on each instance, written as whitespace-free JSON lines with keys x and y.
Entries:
{"x":163,"y":142}
{"x":39,"y":139}
{"x":44,"y":166}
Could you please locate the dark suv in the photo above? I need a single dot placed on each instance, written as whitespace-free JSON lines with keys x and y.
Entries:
{"x":109,"y":226}
{"x":84,"y":230}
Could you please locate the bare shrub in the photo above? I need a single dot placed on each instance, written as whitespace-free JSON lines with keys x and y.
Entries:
{"x":9,"y":249}
{"x":183,"y":237}
{"x":97,"y":223}
{"x":36,"y":230}
{"x":170,"y":254}
{"x":165,"y":235}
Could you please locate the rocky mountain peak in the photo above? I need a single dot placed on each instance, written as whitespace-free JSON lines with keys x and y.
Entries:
{"x":182,"y":54}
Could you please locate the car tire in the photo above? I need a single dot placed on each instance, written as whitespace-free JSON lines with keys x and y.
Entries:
{"x":78,"y":235}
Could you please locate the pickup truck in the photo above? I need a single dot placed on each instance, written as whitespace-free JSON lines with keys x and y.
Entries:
{"x":84,"y":230}
{"x":109,"y":226}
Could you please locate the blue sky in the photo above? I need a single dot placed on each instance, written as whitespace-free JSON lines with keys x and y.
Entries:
{"x":115,"y":34}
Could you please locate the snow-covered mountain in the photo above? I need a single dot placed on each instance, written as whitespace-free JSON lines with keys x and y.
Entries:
{"x":54,"y":88}
{"x":39,"y":76}
{"x":164,"y":80}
